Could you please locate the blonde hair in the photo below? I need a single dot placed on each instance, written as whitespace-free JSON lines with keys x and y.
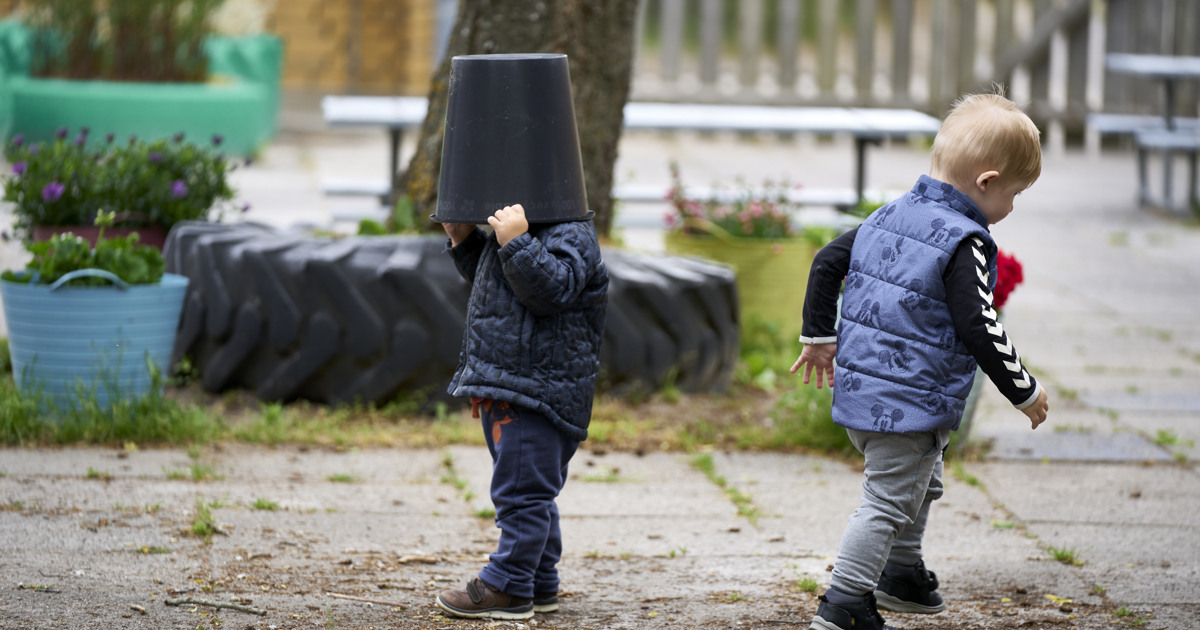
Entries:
{"x":987,"y":132}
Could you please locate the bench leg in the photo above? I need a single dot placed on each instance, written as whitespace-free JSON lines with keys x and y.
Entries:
{"x":1143,"y":186}
{"x":1167,"y":159}
{"x":397,"y":134}
{"x":860,"y":166}
{"x":1191,"y":194}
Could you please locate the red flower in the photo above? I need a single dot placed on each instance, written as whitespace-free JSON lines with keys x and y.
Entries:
{"x":1008,"y":275}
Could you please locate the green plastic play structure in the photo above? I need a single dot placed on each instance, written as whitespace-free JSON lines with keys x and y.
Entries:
{"x":240,"y":101}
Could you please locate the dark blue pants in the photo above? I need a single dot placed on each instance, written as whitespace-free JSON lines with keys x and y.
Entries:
{"x":529,"y":468}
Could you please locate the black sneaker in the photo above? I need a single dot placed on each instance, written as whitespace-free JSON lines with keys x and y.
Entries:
{"x":861,"y":616}
{"x":912,"y":593}
{"x":545,"y":602}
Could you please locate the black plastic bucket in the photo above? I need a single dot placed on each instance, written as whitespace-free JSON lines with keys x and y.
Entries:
{"x":510,"y":138}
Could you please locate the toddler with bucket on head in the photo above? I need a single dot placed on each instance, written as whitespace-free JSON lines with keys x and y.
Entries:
{"x":535,"y":319}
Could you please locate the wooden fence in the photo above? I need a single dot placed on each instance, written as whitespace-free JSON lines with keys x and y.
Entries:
{"x":1048,"y":54}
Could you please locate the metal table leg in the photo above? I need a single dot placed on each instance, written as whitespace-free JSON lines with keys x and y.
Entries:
{"x":1191,"y":193}
{"x":1143,"y":186}
{"x":860,"y":165}
{"x":1167,"y":158}
{"x":397,"y":134}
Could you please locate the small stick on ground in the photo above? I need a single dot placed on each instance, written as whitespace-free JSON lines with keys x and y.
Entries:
{"x":138,"y":608}
{"x":367,"y":600}
{"x":205,"y":602}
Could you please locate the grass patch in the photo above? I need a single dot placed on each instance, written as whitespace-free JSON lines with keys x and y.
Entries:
{"x":265,"y":504}
{"x":149,"y":550}
{"x":175,"y":475}
{"x":735,"y":596}
{"x":488,"y":512}
{"x":203,"y":525}
{"x":342,"y":478}
{"x":604,"y":475}
{"x":806,"y":584}
{"x":1003,"y":524}
{"x":677,"y":552}
{"x":30,"y":418}
{"x":102,"y":475}
{"x":1167,"y":437}
{"x":1065,"y":555}
{"x":1099,"y":590}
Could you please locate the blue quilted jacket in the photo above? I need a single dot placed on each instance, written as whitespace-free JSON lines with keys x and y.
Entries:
{"x":535,"y":321}
{"x":900,"y":366}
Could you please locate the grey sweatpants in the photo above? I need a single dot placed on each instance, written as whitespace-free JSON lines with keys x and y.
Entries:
{"x":903,"y":476}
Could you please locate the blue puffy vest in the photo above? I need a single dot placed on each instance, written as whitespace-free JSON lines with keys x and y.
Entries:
{"x":900,"y":366}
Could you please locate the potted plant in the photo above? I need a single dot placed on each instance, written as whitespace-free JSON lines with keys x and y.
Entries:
{"x":60,"y":186}
{"x":753,"y":231}
{"x":91,"y":325}
{"x":144,"y":67}
{"x":1009,"y":274}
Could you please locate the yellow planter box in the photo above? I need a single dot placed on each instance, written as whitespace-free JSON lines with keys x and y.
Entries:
{"x":772,"y":275}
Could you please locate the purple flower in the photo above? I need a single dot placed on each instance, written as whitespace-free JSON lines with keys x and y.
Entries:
{"x":33,"y":149}
{"x":19,"y":168}
{"x":109,"y":138}
{"x":245,"y":207}
{"x":179,"y":189}
{"x":155,"y":157}
{"x":61,"y":133}
{"x":218,"y":139}
{"x":52,"y":192}
{"x":4,"y":236}
{"x":80,"y":139}
{"x":178,"y":137}
{"x":85,"y":130}
{"x":18,"y":140}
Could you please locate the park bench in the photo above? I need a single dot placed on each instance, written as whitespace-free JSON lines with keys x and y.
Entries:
{"x":866,"y":126}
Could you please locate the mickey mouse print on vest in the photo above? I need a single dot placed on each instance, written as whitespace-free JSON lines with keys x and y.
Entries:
{"x":849,"y":384}
{"x":854,"y":279}
{"x":884,"y":421}
{"x":889,"y":257}
{"x":912,"y":300}
{"x":940,"y":235}
{"x":868,"y":314}
{"x":896,"y":356}
{"x":934,"y":404}
{"x":944,"y":336}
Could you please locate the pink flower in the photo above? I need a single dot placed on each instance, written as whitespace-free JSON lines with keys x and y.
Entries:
{"x":669,"y":218}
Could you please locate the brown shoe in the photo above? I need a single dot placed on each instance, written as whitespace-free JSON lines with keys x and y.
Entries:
{"x":481,"y":601}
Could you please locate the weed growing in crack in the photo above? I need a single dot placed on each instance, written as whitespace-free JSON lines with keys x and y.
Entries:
{"x":735,"y":596}
{"x":806,"y":584}
{"x":341,"y":478}
{"x":677,"y":552}
{"x":265,"y":504}
{"x":102,"y":475}
{"x":488,"y":512}
{"x":1065,"y":555}
{"x":203,"y":524}
{"x":604,"y":475}
{"x":743,"y":501}
{"x":961,"y":474}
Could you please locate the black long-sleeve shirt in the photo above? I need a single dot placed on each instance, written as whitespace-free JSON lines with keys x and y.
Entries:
{"x":971,"y":310}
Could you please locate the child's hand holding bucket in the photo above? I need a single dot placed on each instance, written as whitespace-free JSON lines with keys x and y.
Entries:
{"x":509,"y":223}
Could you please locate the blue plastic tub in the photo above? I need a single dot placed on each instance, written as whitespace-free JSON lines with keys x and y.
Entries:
{"x":100,"y":339}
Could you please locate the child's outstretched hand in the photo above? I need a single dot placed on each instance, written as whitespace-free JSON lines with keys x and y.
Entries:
{"x":509,"y":223}
{"x":820,"y":356}
{"x":1038,"y":410}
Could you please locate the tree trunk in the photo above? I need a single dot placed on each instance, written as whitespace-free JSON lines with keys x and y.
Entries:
{"x":598,"y":39}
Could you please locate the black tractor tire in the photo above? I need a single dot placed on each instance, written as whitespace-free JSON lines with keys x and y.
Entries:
{"x":364,"y":319}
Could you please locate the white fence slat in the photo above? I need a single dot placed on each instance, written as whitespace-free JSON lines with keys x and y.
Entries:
{"x":672,"y":38}
{"x":788,"y":41}
{"x":750,"y":28}
{"x":864,"y":62}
